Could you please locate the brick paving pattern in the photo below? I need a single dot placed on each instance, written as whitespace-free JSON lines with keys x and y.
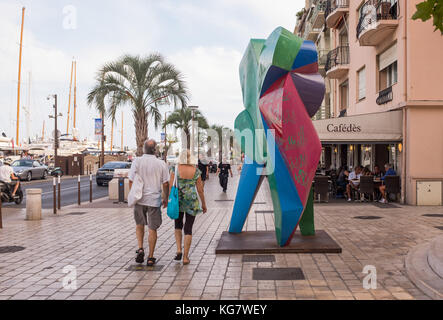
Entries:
{"x":101,"y":245}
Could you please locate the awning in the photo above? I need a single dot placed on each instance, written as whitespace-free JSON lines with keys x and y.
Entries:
{"x":374,"y":128}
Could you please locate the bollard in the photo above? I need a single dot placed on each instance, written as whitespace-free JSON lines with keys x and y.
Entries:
{"x":90,"y":188}
{"x":121,"y":190}
{"x":79,"y":199}
{"x":59,"y":194}
{"x":33,"y":204}
{"x":55,"y":195}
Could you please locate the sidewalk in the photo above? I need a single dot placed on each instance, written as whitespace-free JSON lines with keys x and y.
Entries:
{"x":99,"y":241}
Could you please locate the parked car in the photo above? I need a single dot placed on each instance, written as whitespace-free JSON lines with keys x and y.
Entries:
{"x":29,"y":169}
{"x":106,"y":173}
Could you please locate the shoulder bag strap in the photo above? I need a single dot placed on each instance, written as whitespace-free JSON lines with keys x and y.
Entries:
{"x":176,"y":177}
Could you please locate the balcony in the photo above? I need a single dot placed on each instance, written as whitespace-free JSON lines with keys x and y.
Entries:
{"x":311,"y":33}
{"x":318,"y":14}
{"x":335,"y":10}
{"x":378,"y":20}
{"x":337,"y":63}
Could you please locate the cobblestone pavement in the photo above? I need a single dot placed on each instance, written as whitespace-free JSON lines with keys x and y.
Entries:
{"x":101,"y":246}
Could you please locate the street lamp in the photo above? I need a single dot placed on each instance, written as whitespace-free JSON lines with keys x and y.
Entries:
{"x":194,"y":109}
{"x":55,"y":116}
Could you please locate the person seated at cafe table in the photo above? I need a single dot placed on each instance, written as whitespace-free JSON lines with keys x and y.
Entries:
{"x":389,"y":172}
{"x":366,"y":172}
{"x":377,"y":172}
{"x":354,"y":181}
{"x":342,"y":180}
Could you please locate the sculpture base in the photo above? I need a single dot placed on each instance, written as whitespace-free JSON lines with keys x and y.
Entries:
{"x":264,"y":242}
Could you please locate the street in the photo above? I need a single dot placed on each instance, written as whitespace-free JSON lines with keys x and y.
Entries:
{"x":69,"y":191}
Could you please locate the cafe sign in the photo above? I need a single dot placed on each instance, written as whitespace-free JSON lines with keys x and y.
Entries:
{"x":352,"y":128}
{"x":375,"y":127}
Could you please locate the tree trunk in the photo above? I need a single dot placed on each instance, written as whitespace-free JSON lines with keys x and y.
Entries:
{"x":141,"y":130}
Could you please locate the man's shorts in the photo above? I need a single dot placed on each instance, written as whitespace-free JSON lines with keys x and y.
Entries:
{"x":148,"y":216}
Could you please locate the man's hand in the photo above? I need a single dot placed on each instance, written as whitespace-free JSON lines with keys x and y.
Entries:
{"x":205,"y":209}
{"x":165,"y":203}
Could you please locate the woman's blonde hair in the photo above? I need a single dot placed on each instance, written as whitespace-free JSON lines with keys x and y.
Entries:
{"x":186,"y":157}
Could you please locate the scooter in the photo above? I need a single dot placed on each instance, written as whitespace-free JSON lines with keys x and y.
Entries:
{"x":6,"y":193}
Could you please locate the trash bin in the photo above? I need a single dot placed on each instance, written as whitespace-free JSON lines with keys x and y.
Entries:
{"x":33,"y":204}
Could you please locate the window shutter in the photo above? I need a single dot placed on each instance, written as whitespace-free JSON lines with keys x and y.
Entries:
{"x":388,"y":57}
{"x":362,"y":84}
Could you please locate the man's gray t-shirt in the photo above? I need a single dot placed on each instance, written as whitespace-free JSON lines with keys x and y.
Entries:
{"x":154,"y":173}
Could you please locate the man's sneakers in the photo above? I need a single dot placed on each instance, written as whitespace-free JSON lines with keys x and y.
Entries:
{"x":140,"y":256}
{"x":384,"y":201}
{"x":349,"y":200}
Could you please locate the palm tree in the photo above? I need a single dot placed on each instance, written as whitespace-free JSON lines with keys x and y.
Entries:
{"x":182,"y":119}
{"x":145,"y":83}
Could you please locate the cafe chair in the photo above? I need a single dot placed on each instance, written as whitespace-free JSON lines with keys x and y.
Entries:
{"x":321,"y":188}
{"x":393,"y":188}
{"x":367,"y":187}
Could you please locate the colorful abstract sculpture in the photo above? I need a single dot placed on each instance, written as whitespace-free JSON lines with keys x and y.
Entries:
{"x":282,"y":91}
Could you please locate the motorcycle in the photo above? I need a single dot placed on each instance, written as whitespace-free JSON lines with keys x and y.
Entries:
{"x":6,"y":194}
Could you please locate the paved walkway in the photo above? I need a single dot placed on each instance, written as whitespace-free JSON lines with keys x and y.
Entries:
{"x":101,"y":246}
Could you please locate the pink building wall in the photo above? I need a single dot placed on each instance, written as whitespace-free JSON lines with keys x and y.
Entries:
{"x":419,"y":90}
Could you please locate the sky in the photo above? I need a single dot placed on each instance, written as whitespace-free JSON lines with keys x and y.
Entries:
{"x":204,"y":39}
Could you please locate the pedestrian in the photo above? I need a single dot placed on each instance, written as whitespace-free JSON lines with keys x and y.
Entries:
{"x":224,"y":169}
{"x":189,"y":185}
{"x":147,"y":211}
{"x":204,"y":169}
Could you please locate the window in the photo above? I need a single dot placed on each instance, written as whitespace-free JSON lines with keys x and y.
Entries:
{"x":344,"y":96}
{"x":388,"y":76}
{"x":361,"y":75}
{"x":387,"y":62}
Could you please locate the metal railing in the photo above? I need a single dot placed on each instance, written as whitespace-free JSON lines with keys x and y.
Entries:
{"x":332,"y":5}
{"x":385,"y":96}
{"x":319,"y":7}
{"x":375,"y":10}
{"x":338,"y":56}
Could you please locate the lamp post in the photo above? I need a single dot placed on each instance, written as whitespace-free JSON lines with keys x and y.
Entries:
{"x":55,"y":116}
{"x":193,"y":108}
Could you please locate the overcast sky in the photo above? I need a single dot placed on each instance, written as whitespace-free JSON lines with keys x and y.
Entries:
{"x":205,"y":39}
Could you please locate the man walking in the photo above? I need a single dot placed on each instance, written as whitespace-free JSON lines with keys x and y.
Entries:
{"x":147,"y":212}
{"x":224,"y":169}
{"x":203,"y":166}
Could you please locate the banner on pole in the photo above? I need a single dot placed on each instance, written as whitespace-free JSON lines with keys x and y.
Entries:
{"x":98,"y":129}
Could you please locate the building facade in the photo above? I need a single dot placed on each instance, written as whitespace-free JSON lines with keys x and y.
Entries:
{"x":384,"y":73}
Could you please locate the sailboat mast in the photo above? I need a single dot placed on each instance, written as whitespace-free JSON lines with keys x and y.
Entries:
{"x":69,"y":103}
{"x":28,"y":110}
{"x":43,"y":131}
{"x":19,"y":77}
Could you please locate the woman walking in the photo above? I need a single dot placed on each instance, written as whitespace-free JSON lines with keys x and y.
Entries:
{"x":189,"y":184}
